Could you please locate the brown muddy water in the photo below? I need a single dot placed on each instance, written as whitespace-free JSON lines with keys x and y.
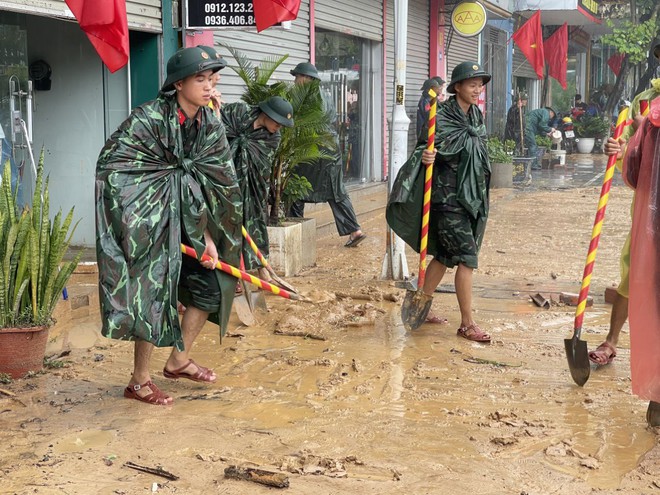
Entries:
{"x":361,"y":406}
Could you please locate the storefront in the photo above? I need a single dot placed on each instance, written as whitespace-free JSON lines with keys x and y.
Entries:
{"x":56,"y":95}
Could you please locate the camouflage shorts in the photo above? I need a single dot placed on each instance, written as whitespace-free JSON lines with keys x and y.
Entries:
{"x":456,"y":238}
{"x":198,"y":286}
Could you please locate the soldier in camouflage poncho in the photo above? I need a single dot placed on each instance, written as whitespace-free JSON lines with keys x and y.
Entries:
{"x":459,"y":194}
{"x":166,"y":177}
{"x":254,"y":135}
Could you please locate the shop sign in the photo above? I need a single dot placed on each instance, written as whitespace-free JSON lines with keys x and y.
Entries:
{"x":218,"y":14}
{"x":590,"y":6}
{"x":468,"y":18}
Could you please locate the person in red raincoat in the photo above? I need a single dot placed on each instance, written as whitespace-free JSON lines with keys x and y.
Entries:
{"x":641,"y":171}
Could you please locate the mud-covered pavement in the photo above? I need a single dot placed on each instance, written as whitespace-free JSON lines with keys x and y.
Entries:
{"x":361,"y":406}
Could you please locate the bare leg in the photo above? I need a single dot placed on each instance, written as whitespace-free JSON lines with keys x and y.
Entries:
{"x":141,"y":360}
{"x":606,"y":351}
{"x":434,"y":274}
{"x":469,"y":329}
{"x":463,"y":281}
{"x":617,"y":319}
{"x":191,"y":324}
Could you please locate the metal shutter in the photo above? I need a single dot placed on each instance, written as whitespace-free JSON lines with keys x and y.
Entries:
{"x":361,"y":18}
{"x":417,"y":61}
{"x":461,"y":50}
{"x":494,"y":61}
{"x":143,"y":15}
{"x":521,"y":67}
{"x":256,"y":47}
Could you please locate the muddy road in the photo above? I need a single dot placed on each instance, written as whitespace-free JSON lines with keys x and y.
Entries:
{"x":360,"y":406}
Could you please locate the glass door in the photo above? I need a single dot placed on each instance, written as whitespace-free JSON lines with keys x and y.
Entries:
{"x":15,"y":102}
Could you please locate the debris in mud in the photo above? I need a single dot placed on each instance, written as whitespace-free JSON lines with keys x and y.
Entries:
{"x":306,"y":463}
{"x":476,"y":360}
{"x":504,"y":441}
{"x":370,"y":293}
{"x":259,"y":476}
{"x":565,"y":450}
{"x":305,"y":335}
{"x":216,"y":394}
{"x":158,"y":471}
{"x":540,"y":300}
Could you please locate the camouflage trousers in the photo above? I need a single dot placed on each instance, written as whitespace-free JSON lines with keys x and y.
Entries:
{"x":457,"y":237}
{"x":198,"y":286}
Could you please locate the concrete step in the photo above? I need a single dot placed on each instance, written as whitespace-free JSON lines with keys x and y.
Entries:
{"x":368,"y":201}
{"x":82,"y":300}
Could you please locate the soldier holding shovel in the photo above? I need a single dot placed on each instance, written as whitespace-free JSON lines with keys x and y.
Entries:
{"x":459,"y":196}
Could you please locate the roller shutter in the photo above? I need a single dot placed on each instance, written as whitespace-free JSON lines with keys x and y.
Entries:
{"x":460,"y":50}
{"x":143,"y":15}
{"x":273,"y":42}
{"x":417,"y":60}
{"x":521,"y":67}
{"x":362,"y":18}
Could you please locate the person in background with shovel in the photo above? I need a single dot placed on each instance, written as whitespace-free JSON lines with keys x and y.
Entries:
{"x":515,"y":121}
{"x":254,"y":135}
{"x":459,"y":199}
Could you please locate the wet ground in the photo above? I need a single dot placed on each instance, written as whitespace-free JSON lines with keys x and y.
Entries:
{"x":361,"y":405}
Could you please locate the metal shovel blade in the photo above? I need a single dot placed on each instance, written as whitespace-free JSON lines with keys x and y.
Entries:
{"x":415,"y":308}
{"x":653,"y":414}
{"x":578,"y":359}
{"x":243,"y":307}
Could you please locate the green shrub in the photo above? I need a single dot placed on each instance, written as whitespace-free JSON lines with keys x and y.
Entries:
{"x":499,"y":152}
{"x":592,"y":127}
{"x":545,"y":141}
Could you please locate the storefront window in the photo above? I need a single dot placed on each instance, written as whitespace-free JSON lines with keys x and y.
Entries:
{"x":343,"y":64}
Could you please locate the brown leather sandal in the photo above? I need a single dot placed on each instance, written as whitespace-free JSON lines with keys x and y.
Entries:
{"x":473,"y":333}
{"x":201,"y":375}
{"x":157,"y":397}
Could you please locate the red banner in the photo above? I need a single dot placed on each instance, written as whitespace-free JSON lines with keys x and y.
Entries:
{"x":106,"y":26}
{"x":267,"y":13}
{"x":529,"y":39}
{"x":557,"y":57}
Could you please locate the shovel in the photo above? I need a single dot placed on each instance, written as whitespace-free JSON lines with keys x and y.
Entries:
{"x":576,"y":349}
{"x":417,"y":304}
{"x":266,"y":265}
{"x":243,"y":275}
{"x":243,"y":303}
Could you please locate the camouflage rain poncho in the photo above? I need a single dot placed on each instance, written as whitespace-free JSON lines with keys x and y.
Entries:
{"x":148,"y":188}
{"x":253,"y":151}
{"x":461,"y":176}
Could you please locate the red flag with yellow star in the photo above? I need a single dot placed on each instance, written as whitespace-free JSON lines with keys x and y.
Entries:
{"x":529,"y":39}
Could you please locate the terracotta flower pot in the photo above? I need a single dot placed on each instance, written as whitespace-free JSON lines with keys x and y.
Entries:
{"x":22,"y":350}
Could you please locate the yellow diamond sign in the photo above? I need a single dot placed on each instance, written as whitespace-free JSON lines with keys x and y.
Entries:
{"x":468,"y":18}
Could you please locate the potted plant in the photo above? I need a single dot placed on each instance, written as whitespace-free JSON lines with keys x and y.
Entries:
{"x":32,"y":274}
{"x":588,"y":129}
{"x":500,"y":156}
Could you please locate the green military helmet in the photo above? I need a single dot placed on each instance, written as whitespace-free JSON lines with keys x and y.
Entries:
{"x":522,"y":95}
{"x":278,"y":109}
{"x":432,"y":82}
{"x":306,"y":69}
{"x":214,"y":55}
{"x":467,"y":70}
{"x":188,"y":62}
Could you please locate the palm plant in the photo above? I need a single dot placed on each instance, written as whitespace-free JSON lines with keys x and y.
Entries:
{"x":32,"y":275}
{"x":302,"y":143}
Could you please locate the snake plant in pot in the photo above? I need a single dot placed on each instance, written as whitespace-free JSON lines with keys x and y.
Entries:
{"x":32,"y":274}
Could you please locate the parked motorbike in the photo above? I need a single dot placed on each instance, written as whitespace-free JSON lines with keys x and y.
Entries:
{"x":568,"y":134}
